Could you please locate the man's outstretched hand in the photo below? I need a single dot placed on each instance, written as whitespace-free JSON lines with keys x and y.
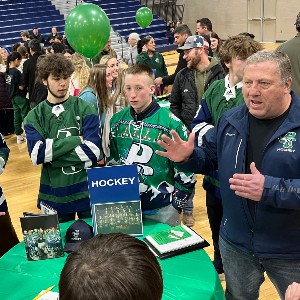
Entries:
{"x":177,"y":149}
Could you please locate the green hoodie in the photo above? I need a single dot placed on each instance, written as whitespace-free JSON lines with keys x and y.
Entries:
{"x":201,"y":76}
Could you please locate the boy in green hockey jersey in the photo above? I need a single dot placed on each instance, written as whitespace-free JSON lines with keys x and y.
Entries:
{"x":134,"y":133}
{"x":62,"y":135}
{"x":221,"y":96}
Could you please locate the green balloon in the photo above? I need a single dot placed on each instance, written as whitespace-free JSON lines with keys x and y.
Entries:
{"x":87,"y":29}
{"x":144,"y":17}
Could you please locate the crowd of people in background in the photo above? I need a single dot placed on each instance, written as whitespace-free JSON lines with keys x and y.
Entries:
{"x":110,"y":111}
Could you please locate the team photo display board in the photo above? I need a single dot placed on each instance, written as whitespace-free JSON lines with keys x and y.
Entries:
{"x":115,"y":200}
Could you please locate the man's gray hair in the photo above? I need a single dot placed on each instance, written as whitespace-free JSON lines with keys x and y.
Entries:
{"x":281,"y":60}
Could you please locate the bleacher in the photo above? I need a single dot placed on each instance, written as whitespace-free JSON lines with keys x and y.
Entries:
{"x":19,"y":15}
{"x":121,"y":14}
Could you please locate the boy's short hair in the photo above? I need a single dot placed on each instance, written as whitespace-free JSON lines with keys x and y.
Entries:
{"x":25,"y":33}
{"x":35,"y":46}
{"x":240,"y":46}
{"x":140,"y":69}
{"x":111,"y":266}
{"x":56,"y":64}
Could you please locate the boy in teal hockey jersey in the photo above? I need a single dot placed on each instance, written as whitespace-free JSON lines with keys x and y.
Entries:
{"x":134,"y":133}
{"x":62,"y":135}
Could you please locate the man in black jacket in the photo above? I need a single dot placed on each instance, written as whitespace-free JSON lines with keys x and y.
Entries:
{"x":29,"y":66}
{"x":189,"y":86}
{"x":181,"y":33}
{"x":191,"y":82}
{"x":37,"y":36}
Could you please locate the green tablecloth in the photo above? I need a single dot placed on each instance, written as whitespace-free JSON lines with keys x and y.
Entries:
{"x":188,"y":276}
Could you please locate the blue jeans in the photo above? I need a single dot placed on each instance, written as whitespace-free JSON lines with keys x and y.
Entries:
{"x":244,"y":272}
{"x":190,"y":203}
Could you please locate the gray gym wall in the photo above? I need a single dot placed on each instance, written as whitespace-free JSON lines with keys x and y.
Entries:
{"x":268,"y":20}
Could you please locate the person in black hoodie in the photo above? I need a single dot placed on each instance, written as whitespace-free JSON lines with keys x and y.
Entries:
{"x":29,"y":67}
{"x":40,"y":91}
{"x":6,"y":108}
{"x":17,"y":93}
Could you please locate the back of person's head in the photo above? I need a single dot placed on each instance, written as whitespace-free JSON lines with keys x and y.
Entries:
{"x":56,"y":65}
{"x":35,"y":46}
{"x":58,"y":39}
{"x":37,"y":74}
{"x":237,"y":46}
{"x":297,"y":23}
{"x":68,"y":53}
{"x":281,"y":60}
{"x":23,"y":51}
{"x":247,"y":34}
{"x":139,"y":46}
{"x":49,"y":50}
{"x":78,"y":61}
{"x":58,"y":47}
{"x":182,"y":29}
{"x":140,"y":69}
{"x":16,"y":46}
{"x":111,"y":266}
{"x":81,"y":69}
{"x":13,"y":56}
{"x":205,"y":22}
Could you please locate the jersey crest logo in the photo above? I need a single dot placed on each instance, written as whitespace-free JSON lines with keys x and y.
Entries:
{"x":287,"y":140}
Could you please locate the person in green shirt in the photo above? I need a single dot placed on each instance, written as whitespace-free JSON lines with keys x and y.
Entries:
{"x":152,"y":58}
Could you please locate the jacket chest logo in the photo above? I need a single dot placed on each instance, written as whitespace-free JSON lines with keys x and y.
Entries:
{"x":287,"y":141}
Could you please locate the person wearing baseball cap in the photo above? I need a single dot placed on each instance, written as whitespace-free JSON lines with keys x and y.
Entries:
{"x":200,"y":72}
{"x":189,"y":85}
{"x":291,"y":48}
{"x":195,"y":41}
